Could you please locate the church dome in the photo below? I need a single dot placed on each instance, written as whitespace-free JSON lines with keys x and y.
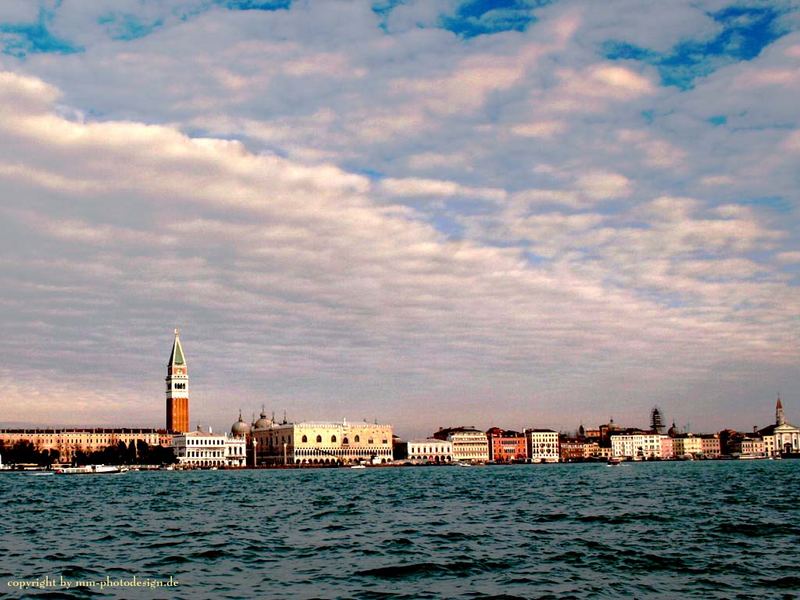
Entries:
{"x":263,"y":422}
{"x":240,"y":428}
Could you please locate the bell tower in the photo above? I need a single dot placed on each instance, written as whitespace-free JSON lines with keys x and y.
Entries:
{"x":177,"y":389}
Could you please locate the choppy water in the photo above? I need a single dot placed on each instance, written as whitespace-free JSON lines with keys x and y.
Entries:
{"x":657,"y":530}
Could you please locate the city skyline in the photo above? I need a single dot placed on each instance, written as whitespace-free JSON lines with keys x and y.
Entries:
{"x":429,"y":213}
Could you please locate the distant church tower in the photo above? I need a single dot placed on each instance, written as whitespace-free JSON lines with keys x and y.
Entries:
{"x":780,"y":419}
{"x":177,"y":390}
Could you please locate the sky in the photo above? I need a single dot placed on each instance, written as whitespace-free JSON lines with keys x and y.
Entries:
{"x":521,"y":213}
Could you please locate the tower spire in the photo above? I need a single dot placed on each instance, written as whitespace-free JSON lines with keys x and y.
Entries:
{"x":176,"y":358}
{"x":177,"y":388}
{"x":780,"y":418}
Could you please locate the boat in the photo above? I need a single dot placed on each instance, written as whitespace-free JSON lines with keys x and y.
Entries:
{"x":358,"y":466}
{"x":90,"y":470}
{"x":614,"y":462}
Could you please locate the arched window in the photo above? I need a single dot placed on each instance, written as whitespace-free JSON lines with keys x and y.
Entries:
{"x":333,"y":439}
{"x":370,"y":441}
{"x":357,"y":439}
{"x":345,"y":440}
{"x":319,"y":439}
{"x":305,"y":439}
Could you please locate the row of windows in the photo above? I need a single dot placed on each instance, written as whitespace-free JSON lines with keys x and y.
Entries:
{"x":341,"y":452}
{"x":204,"y":454}
{"x":345,"y":440}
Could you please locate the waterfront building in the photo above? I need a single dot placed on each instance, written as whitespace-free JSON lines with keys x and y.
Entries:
{"x":781,"y":438}
{"x":711,"y":447}
{"x":69,"y":441}
{"x":207,"y":449}
{"x":603,"y":452}
{"x":667,"y":447}
{"x":322,"y":442}
{"x":177,"y":389}
{"x":687,"y":444}
{"x":506,"y":445}
{"x":469,"y":444}
{"x":637,"y":446}
{"x":769,"y":446}
{"x":575,"y":450}
{"x":572,"y":450}
{"x":542,"y":445}
{"x":430,"y":450}
{"x":751,"y":446}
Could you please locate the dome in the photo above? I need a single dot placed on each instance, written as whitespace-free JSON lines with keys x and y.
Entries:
{"x":263,"y":422}
{"x":240,"y":428}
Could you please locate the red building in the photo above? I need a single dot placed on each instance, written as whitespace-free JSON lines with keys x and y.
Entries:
{"x":506,"y":446}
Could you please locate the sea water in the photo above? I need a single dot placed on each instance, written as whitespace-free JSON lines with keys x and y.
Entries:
{"x":704,"y":529}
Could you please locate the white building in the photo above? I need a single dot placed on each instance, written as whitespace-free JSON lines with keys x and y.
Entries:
{"x":469,"y":444}
{"x":638,"y":446}
{"x":322,"y":442}
{"x":207,"y":449}
{"x":542,"y":445}
{"x":430,"y":450}
{"x":783,"y":437}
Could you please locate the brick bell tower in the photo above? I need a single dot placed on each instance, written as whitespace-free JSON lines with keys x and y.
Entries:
{"x":177,"y":390}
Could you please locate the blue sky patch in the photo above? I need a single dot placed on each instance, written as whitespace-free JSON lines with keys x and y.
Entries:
{"x":479,"y":17}
{"x":128,"y":27}
{"x":746,"y":31}
{"x":774,"y":203}
{"x":255,"y":4}
{"x":383,"y":9}
{"x":21,"y":39}
{"x":718,"y":120}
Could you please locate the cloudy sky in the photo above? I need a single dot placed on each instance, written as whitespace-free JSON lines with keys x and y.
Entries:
{"x":434,"y":212}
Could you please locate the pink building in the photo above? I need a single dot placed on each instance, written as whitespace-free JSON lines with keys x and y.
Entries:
{"x":667,"y":448}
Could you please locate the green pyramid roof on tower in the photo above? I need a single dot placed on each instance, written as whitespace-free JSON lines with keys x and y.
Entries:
{"x":176,"y":358}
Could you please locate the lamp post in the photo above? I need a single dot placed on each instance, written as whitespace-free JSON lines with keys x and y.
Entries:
{"x":255,"y":455}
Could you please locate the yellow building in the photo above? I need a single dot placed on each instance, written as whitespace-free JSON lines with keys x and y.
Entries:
{"x":687,"y":444}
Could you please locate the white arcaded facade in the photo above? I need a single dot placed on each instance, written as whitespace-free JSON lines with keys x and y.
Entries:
{"x":322,"y":443}
{"x":430,"y":450}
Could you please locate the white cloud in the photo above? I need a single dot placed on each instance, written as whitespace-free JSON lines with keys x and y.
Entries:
{"x":603,"y":185}
{"x":411,"y":187}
